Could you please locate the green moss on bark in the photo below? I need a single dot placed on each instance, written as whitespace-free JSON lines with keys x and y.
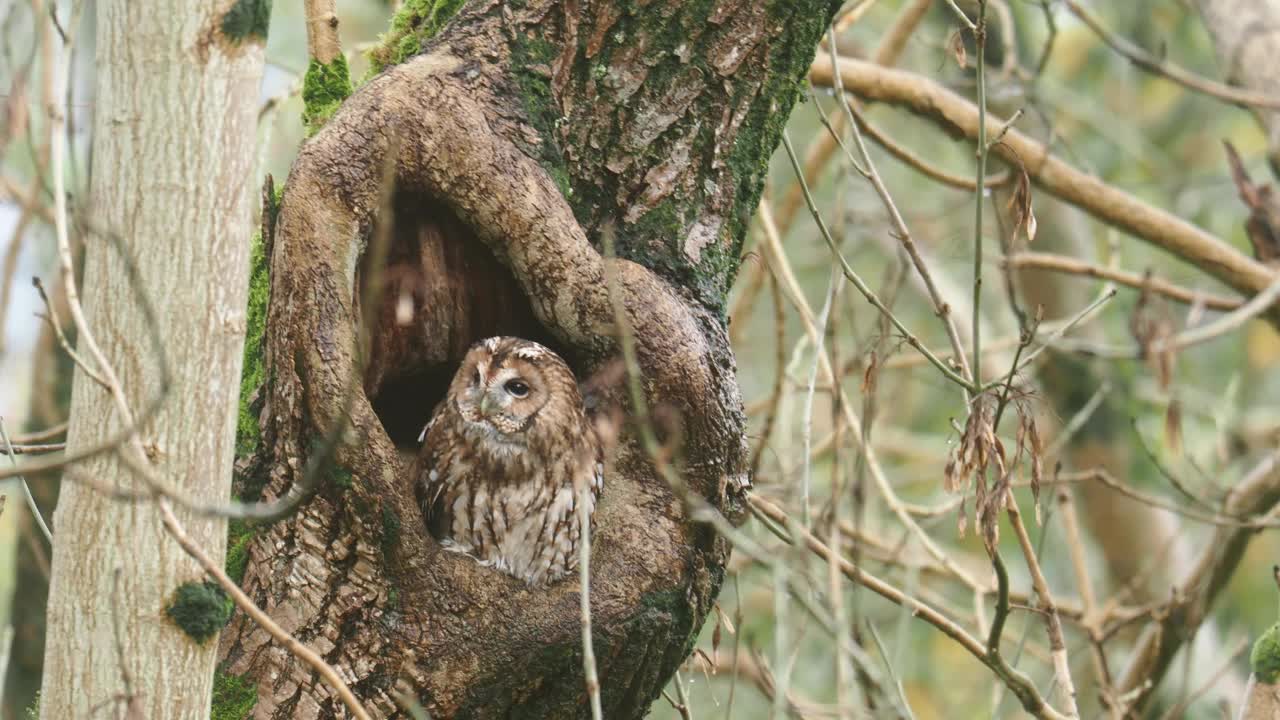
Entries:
{"x":324,"y":88}
{"x":239,"y":534}
{"x":233,"y":696}
{"x":201,"y":609}
{"x":530,"y":58}
{"x":693,"y":234}
{"x":413,"y":24}
{"x":1265,"y":658}
{"x":253,"y":374}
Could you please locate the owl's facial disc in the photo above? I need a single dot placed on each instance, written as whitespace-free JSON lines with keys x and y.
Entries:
{"x":501,"y":397}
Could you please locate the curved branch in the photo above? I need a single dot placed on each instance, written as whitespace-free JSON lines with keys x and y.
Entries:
{"x":1111,"y":205}
{"x":1172,"y":71}
{"x":1257,"y":493}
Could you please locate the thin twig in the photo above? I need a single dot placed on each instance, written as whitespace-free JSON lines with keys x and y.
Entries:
{"x":1259,"y":304}
{"x":883,"y":485}
{"x":1167,"y":69}
{"x":960,"y":14}
{"x":584,"y":576}
{"x":940,"y":307}
{"x":1052,"y":338}
{"x":1057,"y":642}
{"x":39,"y":435}
{"x":924,"y":167}
{"x":242,"y":601}
{"x":52,"y":318}
{"x":33,"y":449}
{"x":1257,"y":492}
{"x":1209,"y":518}
{"x":857,"y":281}
{"x":1022,"y":687}
{"x":26,"y":491}
{"x":1140,"y":281}
{"x":980,"y":201}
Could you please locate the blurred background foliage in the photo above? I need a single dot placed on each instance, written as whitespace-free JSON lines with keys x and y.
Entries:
{"x":1103,"y":115}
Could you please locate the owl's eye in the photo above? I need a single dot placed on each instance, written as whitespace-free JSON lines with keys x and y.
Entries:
{"x":479,"y":378}
{"x":517,"y":388}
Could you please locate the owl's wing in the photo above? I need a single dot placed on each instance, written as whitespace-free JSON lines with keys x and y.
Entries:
{"x":432,"y":472}
{"x":432,"y":482}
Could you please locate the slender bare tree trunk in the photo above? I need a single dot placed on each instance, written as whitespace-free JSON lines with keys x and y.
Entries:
{"x":172,"y":159}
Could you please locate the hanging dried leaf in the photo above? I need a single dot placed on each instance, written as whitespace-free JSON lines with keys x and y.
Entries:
{"x":709,"y":666}
{"x":1037,"y":463}
{"x":989,"y":517}
{"x":715,"y":645}
{"x":1173,"y":426}
{"x":1152,"y":328}
{"x":1024,"y":217}
{"x":955,"y":46}
{"x":1263,"y":225}
{"x":951,"y":474}
{"x":724,"y":619}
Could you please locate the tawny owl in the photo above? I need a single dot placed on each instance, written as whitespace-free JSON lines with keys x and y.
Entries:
{"x":504,"y":452}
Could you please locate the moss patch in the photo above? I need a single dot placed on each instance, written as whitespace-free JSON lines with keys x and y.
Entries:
{"x":247,"y":20}
{"x":323,"y":89}
{"x":252,"y":375}
{"x":530,"y":56}
{"x":239,"y":533}
{"x":200,"y":609}
{"x":413,"y":24}
{"x":1265,"y":658}
{"x":233,"y":697}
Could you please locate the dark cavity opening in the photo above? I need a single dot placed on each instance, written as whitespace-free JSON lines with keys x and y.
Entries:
{"x":443,"y":290}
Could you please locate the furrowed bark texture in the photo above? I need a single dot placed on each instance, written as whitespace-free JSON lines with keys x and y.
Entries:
{"x":1246,"y":36}
{"x":1261,"y":701}
{"x":520,"y":134}
{"x":173,"y":152}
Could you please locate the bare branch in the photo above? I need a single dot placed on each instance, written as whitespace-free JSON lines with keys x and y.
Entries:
{"x":1105,"y":202}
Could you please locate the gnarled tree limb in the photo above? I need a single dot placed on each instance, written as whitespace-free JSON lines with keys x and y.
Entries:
{"x":480,"y":192}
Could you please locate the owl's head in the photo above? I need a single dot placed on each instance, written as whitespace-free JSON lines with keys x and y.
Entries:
{"x":509,"y":390}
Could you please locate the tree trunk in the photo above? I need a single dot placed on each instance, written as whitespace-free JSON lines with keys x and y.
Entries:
{"x":521,"y":135}
{"x":175,"y":115}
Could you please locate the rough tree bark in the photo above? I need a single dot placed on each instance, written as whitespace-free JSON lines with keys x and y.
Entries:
{"x":521,"y":132}
{"x":173,"y":149}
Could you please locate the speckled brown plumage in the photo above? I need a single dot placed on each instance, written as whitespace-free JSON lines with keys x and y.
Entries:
{"x":503,"y":457}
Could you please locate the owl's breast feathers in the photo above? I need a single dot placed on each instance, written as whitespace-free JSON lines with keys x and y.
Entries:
{"x":517,"y":512}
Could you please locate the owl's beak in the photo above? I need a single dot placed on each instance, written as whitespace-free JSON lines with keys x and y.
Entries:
{"x":485,"y":406}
